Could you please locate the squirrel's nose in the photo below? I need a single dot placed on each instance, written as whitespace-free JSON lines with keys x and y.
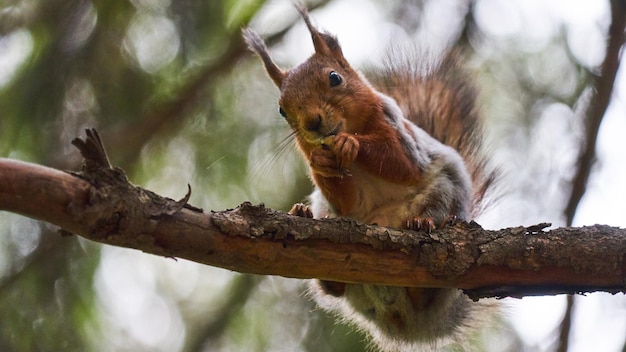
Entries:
{"x":313,"y":123}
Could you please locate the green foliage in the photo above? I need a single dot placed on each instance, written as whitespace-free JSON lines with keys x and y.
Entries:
{"x":48,"y":303}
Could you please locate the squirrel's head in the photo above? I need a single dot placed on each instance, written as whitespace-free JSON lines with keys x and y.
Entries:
{"x":322,"y":96}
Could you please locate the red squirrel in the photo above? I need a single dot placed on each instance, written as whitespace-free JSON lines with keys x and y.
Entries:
{"x":403,"y":151}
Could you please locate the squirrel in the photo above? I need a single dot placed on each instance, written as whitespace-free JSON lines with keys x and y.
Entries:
{"x":400,"y":150}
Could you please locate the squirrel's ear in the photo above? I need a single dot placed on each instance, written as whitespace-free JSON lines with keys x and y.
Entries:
{"x":256,"y":44}
{"x":324,"y":43}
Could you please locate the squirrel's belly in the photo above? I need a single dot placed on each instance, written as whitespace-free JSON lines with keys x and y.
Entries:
{"x":383,"y":203}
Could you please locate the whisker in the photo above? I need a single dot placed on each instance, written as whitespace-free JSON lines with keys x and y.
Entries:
{"x":215,"y":162}
{"x":262,"y":165}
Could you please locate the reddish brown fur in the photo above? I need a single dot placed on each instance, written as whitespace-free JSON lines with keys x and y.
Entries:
{"x":441,"y":101}
{"x":356,"y":134}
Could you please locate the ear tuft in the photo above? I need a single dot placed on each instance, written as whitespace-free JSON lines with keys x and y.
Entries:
{"x":324,"y":43}
{"x":257,"y":45}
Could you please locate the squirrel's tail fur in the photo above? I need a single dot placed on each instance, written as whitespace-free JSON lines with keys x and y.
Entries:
{"x":440,"y":98}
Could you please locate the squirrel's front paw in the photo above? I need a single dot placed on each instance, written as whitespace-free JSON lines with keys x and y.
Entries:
{"x":346,"y":148}
{"x":301,"y":210}
{"x":335,"y":158}
{"x":324,"y":162}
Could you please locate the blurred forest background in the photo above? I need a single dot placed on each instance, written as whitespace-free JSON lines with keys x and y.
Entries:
{"x":178,"y":99}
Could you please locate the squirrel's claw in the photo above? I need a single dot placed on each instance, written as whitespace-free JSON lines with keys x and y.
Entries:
{"x":334,"y":158}
{"x":428,"y":224}
{"x":301,"y":210}
{"x":324,"y":161}
{"x":346,"y":148}
{"x":449,"y":221}
{"x":418,"y":223}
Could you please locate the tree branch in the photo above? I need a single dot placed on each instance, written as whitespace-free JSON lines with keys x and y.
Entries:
{"x":101,"y":205}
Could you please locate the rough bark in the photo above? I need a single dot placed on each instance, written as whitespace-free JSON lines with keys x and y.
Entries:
{"x":100,"y":204}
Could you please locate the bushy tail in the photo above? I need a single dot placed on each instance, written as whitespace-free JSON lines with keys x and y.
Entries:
{"x":440,"y":98}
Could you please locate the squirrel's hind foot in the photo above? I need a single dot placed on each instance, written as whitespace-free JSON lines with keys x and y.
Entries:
{"x":427,"y":224}
{"x":421,"y":224}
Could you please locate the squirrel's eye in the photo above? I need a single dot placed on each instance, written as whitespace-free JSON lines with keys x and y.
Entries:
{"x":334,"y":79}
{"x":282,"y":112}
